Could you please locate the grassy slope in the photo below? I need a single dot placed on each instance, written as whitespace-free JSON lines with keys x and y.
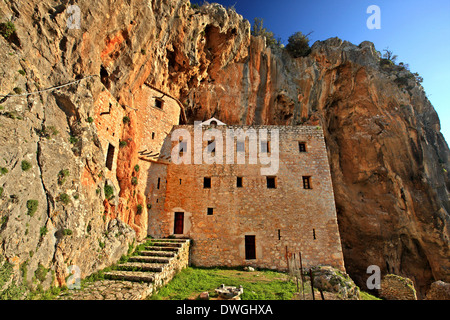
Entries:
{"x":258,"y":285}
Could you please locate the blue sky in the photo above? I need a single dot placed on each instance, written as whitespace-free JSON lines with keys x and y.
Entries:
{"x":418,"y":31}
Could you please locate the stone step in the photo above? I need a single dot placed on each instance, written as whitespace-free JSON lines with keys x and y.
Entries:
{"x":167,"y":244}
{"x":142,"y":266}
{"x":149,"y":259}
{"x":156,"y":248}
{"x":133,"y":276}
{"x":154,"y":253}
{"x":170,"y":240}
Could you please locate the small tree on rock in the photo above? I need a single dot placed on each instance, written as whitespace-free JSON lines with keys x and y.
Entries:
{"x":298,"y":45}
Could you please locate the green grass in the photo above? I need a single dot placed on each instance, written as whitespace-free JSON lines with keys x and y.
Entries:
{"x":258,"y":285}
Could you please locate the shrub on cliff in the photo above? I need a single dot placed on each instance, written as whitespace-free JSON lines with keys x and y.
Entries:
{"x":259,"y":30}
{"x":298,"y":45}
{"x":7,"y":29}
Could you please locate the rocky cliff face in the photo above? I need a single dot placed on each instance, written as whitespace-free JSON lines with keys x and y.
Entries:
{"x":389,"y":162}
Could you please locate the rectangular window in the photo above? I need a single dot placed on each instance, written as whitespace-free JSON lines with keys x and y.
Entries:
{"x":212,"y":146}
{"x":239,"y":183}
{"x":207,"y":183}
{"x":302,"y":147}
{"x":159,"y":103}
{"x":110,"y":157}
{"x":307,"y":183}
{"x":182,"y":147}
{"x":250,"y":248}
{"x":271,"y":182}
{"x":159,"y":184}
{"x":153,"y":136}
{"x":265,"y":146}
{"x":240,"y":146}
{"x":210,"y":211}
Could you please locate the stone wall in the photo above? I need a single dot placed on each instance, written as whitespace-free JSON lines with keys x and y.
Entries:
{"x":287,"y":217}
{"x":176,"y":264}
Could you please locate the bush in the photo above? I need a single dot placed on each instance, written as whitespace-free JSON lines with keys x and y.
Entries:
{"x":41,"y":273}
{"x":73,"y":139}
{"x":17,"y":90}
{"x":43,"y":231}
{"x":136,"y":168}
{"x":3,"y":171}
{"x":62,"y":176}
{"x":32,"y":206}
{"x":64,"y":198}
{"x":7,"y":29}
{"x":134,"y":181}
{"x":298,"y":45}
{"x":109,"y":192}
{"x":258,"y":30}
{"x":123,"y":144}
{"x":126,"y":119}
{"x":90,"y":119}
{"x":22,"y":72}
{"x":26,"y":165}
{"x":1,"y":191}
{"x":67,"y":232}
{"x":139,"y":209}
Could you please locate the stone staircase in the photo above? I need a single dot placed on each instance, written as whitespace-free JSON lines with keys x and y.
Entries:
{"x":143,"y":273}
{"x":156,"y":264}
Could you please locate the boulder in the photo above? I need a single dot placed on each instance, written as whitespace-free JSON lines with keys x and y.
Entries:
{"x":330,"y":279}
{"x":394,"y":287}
{"x":439,"y":290}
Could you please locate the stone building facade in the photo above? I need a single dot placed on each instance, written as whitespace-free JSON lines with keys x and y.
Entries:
{"x":236,"y":212}
{"x":125,"y":148}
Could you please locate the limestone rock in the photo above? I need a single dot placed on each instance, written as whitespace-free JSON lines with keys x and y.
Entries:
{"x":394,"y":287}
{"x":439,"y":290}
{"x":204,"y":295}
{"x":332,"y":280}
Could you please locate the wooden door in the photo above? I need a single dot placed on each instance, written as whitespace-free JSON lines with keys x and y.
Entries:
{"x":179,"y":223}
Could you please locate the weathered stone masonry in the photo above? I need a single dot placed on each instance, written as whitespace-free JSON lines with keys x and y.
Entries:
{"x":225,"y":219}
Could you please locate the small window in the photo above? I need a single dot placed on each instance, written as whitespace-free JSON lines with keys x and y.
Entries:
{"x":110,"y":157}
{"x":302,"y":147}
{"x":153,"y":136}
{"x":207,"y":183}
{"x":212,"y":146}
{"x":210,"y":211}
{"x":240,"y":146}
{"x":182,"y":147}
{"x":265,"y":147}
{"x":239,"y":183}
{"x":307,"y":183}
{"x":314,"y":234}
{"x":159,"y":103}
{"x":159,"y":184}
{"x":271,"y":182}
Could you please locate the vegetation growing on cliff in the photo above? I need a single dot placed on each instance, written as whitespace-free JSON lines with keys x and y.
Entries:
{"x":298,"y":45}
{"x":258,"y":30}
